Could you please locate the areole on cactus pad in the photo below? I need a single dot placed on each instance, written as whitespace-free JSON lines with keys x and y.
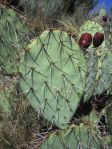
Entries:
{"x":53,"y":76}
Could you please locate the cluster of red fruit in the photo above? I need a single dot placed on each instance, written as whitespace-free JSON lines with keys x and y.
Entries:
{"x":86,"y":40}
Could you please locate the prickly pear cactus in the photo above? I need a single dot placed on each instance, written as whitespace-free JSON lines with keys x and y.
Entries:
{"x":99,"y":64}
{"x":91,"y":27}
{"x":83,"y":136}
{"x":12,"y":40}
{"x":91,"y":57}
{"x":53,"y":76}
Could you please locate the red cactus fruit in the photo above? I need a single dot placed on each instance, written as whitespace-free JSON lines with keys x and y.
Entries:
{"x":98,"y":39}
{"x":85,"y":40}
{"x":105,"y":18}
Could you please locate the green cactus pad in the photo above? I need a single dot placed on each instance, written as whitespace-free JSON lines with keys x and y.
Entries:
{"x":91,"y":27}
{"x":53,"y":76}
{"x":104,"y":82}
{"x":12,"y":40}
{"x":76,"y":137}
{"x":92,"y":62}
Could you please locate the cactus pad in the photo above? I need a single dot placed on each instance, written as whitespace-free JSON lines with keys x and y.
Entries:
{"x":105,"y":78}
{"x":12,"y":39}
{"x":76,"y":137}
{"x":53,"y":76}
{"x":92,"y":62}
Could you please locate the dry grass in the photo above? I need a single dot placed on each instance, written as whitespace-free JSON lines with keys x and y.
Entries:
{"x":17,"y":129}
